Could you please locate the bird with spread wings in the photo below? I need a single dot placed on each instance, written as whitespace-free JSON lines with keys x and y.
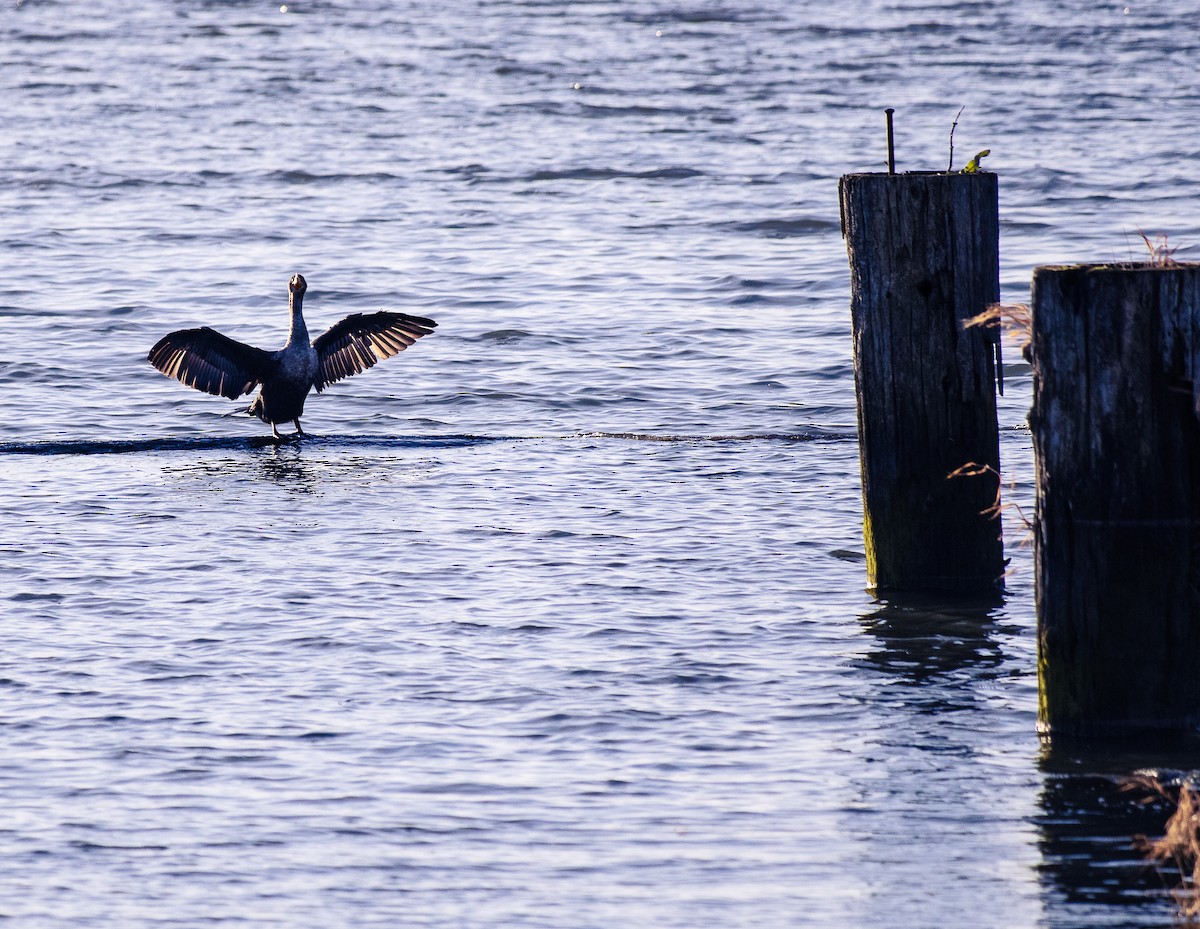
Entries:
{"x":216,"y":364}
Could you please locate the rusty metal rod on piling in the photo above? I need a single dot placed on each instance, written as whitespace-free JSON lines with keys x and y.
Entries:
{"x":891,"y":145}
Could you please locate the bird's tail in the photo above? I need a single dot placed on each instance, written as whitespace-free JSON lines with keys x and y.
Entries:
{"x":240,"y":411}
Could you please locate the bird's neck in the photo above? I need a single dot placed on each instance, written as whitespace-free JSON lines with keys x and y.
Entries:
{"x":299,"y":333}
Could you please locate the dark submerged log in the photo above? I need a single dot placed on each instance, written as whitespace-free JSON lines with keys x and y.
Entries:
{"x":924,"y":258}
{"x":1116,"y":355}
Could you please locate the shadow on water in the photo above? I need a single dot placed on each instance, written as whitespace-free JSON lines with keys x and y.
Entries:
{"x":1087,"y":819}
{"x":921,"y":636}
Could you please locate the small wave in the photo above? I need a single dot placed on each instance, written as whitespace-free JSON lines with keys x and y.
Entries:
{"x":258,"y":443}
{"x":809,"y":434}
{"x":81,"y":180}
{"x":59,"y":38}
{"x":31,"y":597}
{"x":469,"y":171}
{"x":735,"y":282}
{"x":236,"y":443}
{"x":764,"y":300}
{"x":522,"y":70}
{"x":63,"y":88}
{"x":706,"y":88}
{"x":783,"y":228}
{"x":699,"y":14}
{"x":511,"y":336}
{"x":636,"y":109}
{"x":32,"y":372}
{"x":608,"y":174}
{"x":504,"y":336}
{"x":73,"y":176}
{"x":307,"y":177}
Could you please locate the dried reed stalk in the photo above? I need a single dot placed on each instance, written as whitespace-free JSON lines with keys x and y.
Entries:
{"x":1161,"y":255}
{"x":974,"y":469}
{"x":1016,"y":319}
{"x":1180,"y":844}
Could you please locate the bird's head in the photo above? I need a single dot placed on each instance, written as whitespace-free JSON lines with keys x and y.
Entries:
{"x":297,"y":284}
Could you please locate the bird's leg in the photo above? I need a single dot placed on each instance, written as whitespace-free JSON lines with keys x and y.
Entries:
{"x":299,"y":431}
{"x":275,"y":432}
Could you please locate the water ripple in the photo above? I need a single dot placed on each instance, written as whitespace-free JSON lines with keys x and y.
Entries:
{"x":559,"y":618}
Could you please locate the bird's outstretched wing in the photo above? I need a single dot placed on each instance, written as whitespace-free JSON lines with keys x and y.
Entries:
{"x":205,"y":359}
{"x":361,"y":340}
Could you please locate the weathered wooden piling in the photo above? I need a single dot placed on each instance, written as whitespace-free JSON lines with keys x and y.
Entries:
{"x":1116,"y":367}
{"x":924,"y":258}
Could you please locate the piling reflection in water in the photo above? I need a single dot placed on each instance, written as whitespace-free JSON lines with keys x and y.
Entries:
{"x":1086,"y":824}
{"x":922,"y":636}
{"x":952,"y":808}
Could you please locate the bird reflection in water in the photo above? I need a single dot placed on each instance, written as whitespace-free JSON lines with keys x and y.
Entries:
{"x":285,"y":465}
{"x":281,"y":464}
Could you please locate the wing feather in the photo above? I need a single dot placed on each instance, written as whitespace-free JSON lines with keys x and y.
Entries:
{"x":362,"y":340}
{"x":209,"y":361}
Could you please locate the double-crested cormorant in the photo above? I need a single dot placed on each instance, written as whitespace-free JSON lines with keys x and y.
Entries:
{"x":205,"y":359}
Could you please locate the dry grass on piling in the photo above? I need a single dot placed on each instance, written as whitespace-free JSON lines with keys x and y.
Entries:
{"x":1017,"y":322}
{"x":1161,"y":254}
{"x":975,"y":469}
{"x":1016,"y":319}
{"x":1176,"y":855}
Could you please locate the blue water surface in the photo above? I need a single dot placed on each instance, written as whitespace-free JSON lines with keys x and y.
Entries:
{"x":559,"y":619}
